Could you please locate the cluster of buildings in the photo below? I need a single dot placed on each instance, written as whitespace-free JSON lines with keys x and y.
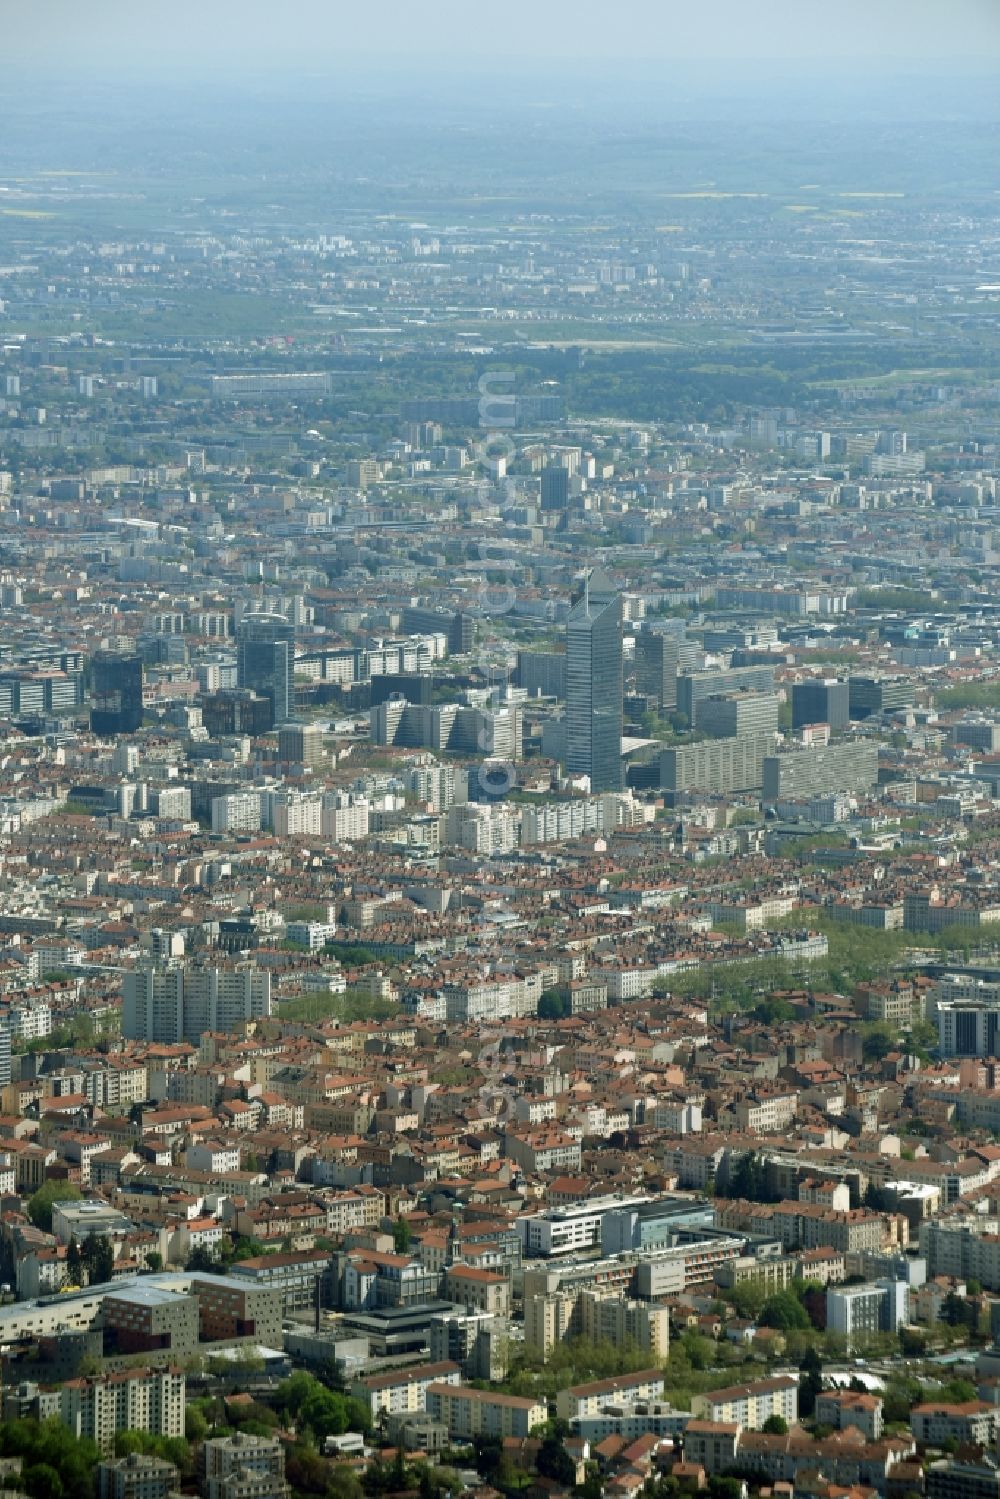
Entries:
{"x":484,"y":882}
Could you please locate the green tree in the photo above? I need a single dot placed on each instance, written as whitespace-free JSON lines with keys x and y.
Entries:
{"x":74,"y":1260}
{"x":747,"y":1299}
{"x":402,"y":1236}
{"x":784,"y":1312}
{"x":958,"y":1391}
{"x":196,"y":1428}
{"x":722,"y":1487}
{"x":957,"y":1312}
{"x":41,"y":1203}
{"x":555,"y":1462}
{"x":248,"y":1249}
{"x":810,"y":1381}
{"x":202,"y":1260}
{"x":877,"y":1043}
{"x":553,"y":1005}
{"x":901,"y":1394}
{"x":324,"y":1412}
{"x":343,"y":1483}
{"x":99,"y":1258}
{"x":776,"y":1425}
{"x":42,"y":1481}
{"x":46,"y":1448}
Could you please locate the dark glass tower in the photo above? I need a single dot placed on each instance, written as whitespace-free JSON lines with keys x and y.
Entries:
{"x":115,"y":693}
{"x":656,"y":667}
{"x":265,"y":656}
{"x":594,"y":684}
{"x":821,"y":702}
{"x":555,"y":488}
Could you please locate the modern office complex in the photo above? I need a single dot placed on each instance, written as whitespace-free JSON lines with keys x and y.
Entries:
{"x":115,"y":693}
{"x":542,"y":672}
{"x":265,"y":655}
{"x":967,"y":1028}
{"x":736,"y":717}
{"x":656,"y":667}
{"x":821,"y":702}
{"x":693,"y":687}
{"x":872,"y":695}
{"x":555,"y":487}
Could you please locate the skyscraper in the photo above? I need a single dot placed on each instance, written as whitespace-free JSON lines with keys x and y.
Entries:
{"x":594,"y":684}
{"x":555,"y":487}
{"x":265,"y":656}
{"x":115,"y":693}
{"x":656,"y":658}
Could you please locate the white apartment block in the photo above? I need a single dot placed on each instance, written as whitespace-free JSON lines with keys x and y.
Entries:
{"x":345,"y":817}
{"x":403,"y":1391}
{"x":150,"y":1400}
{"x":292,"y":814}
{"x":751,"y":1405}
{"x":588,"y":1399}
{"x":468,"y":1412}
{"x":238,"y":812}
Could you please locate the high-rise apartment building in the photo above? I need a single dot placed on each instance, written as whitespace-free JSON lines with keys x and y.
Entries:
{"x":175,"y":1001}
{"x":716,"y":765}
{"x":128,"y":1400}
{"x":240,"y":1466}
{"x":820,"y":769}
{"x":594,"y":684}
{"x":265,"y":657}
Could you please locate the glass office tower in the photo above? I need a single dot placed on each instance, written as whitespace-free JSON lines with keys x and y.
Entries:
{"x":594,"y":684}
{"x":115,"y":693}
{"x":265,"y":658}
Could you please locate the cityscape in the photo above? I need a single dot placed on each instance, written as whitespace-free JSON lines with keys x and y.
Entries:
{"x":500,"y":754}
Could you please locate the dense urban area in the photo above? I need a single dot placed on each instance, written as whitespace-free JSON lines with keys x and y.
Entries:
{"x":499,"y":823}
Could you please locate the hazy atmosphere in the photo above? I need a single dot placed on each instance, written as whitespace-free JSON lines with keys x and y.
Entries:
{"x":228,"y":34}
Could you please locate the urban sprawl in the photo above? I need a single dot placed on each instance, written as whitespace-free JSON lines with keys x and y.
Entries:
{"x":499,"y":846}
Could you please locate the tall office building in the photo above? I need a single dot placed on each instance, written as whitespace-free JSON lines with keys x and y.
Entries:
{"x":693,"y":687}
{"x":871,"y":695}
{"x":594,"y":684}
{"x":656,"y":659}
{"x":555,"y":487}
{"x":542,"y":672}
{"x":301,"y":744}
{"x":820,"y":702}
{"x":115,"y":693}
{"x":265,"y":657}
{"x":739,"y":715}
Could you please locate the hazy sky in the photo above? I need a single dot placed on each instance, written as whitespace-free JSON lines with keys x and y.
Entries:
{"x":147,"y":35}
